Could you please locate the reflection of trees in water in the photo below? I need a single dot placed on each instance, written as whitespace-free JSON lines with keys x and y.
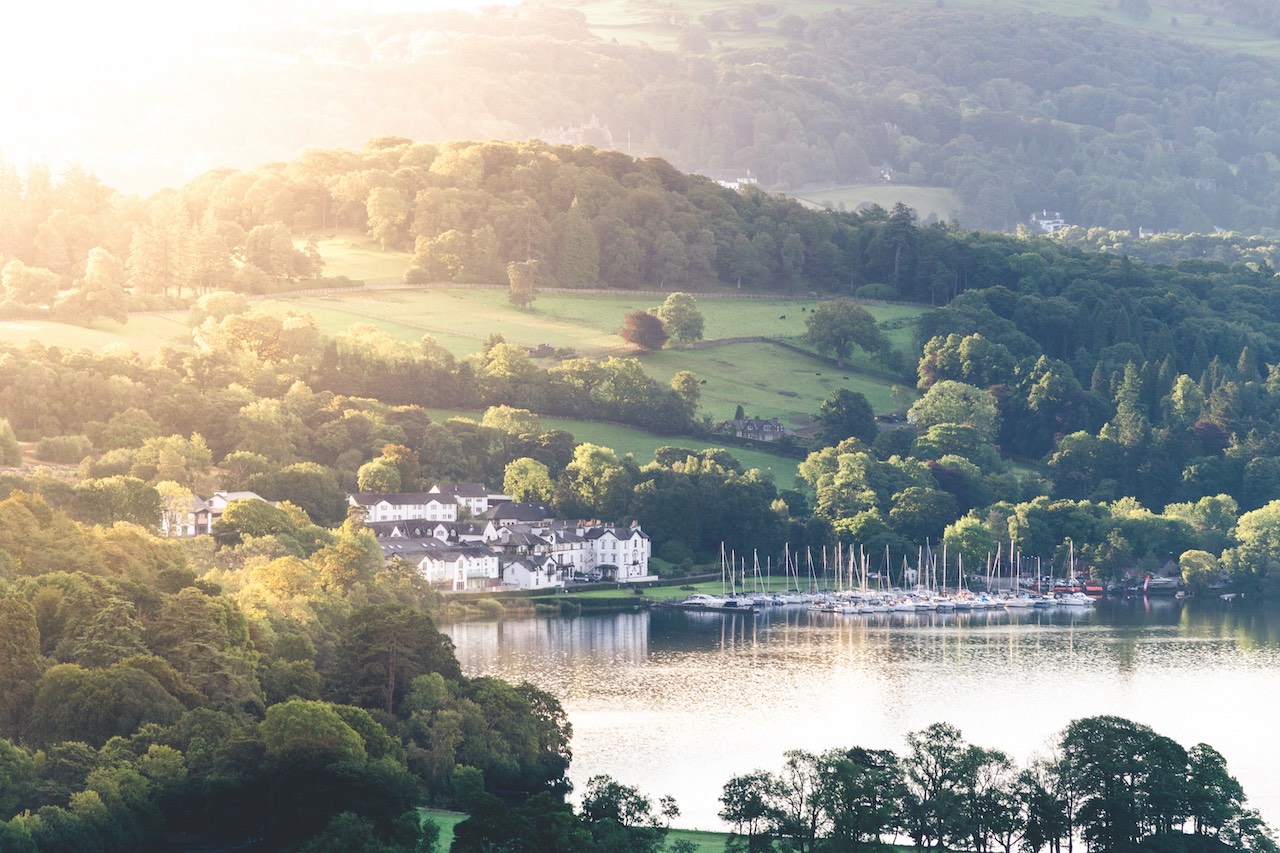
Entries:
{"x":507,"y":645}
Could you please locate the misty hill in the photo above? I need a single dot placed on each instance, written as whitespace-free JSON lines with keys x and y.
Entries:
{"x":1017,"y":112}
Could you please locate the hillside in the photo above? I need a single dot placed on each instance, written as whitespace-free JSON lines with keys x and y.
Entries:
{"x":1110,"y":114}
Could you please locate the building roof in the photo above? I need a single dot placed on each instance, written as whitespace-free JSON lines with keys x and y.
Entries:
{"x":412,"y":528}
{"x":395,"y":498}
{"x":462,"y":490}
{"x":618,"y":532}
{"x":520,"y":511}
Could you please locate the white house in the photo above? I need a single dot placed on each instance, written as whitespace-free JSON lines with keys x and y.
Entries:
{"x":473,"y":497}
{"x":532,"y":573}
{"x":400,"y":506}
{"x":1048,"y":221}
{"x":461,"y":566}
{"x":442,"y":502}
{"x":517,"y":544}
{"x":203,"y":513}
{"x":620,"y":553}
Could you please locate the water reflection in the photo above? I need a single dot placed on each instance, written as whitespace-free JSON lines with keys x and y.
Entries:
{"x":677,"y":702}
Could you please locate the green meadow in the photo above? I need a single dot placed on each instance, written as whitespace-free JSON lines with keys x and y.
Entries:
{"x":704,"y":842}
{"x":358,"y":258}
{"x":766,"y":380}
{"x":641,"y":445}
{"x":144,"y":333}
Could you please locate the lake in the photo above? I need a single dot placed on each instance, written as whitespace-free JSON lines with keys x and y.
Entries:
{"x":676,"y":703}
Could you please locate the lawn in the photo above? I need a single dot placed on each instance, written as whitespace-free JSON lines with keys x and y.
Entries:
{"x":360,"y":259}
{"x":641,"y":444}
{"x":460,"y":318}
{"x":446,"y":820}
{"x":144,"y":333}
{"x":767,"y":381}
{"x":705,"y":842}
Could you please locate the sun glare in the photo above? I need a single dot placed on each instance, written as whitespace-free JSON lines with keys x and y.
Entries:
{"x":79,"y":82}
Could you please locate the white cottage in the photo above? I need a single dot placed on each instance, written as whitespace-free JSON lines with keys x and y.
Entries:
{"x":401,"y":506}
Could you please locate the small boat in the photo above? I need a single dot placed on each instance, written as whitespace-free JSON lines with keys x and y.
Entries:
{"x":705,"y":601}
{"x":1159,"y":585}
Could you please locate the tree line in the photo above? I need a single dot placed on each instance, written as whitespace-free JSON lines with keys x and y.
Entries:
{"x":1109,"y":781}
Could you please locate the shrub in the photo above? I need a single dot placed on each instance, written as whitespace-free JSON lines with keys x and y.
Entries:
{"x":875,"y":291}
{"x":67,"y":449}
{"x":490,"y":608}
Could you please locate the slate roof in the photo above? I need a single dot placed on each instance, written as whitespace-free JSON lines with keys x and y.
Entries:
{"x":464,"y":490}
{"x":396,"y":498}
{"x":619,"y":532}
{"x":520,"y":511}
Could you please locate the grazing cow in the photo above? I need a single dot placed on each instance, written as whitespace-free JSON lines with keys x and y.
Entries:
{"x":782,"y":316}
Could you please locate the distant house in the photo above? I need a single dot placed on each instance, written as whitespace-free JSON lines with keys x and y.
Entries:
{"x":473,"y":496}
{"x":402,"y":506}
{"x":453,"y":567}
{"x":442,"y":502}
{"x":756,"y":429}
{"x":734,"y":179}
{"x":532,"y":573}
{"x":621,"y":554}
{"x":203,"y":513}
{"x":1048,"y":221}
{"x":516,"y":544}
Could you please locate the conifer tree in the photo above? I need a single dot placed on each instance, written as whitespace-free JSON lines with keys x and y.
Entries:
{"x":10,"y":452}
{"x":578,"y":259}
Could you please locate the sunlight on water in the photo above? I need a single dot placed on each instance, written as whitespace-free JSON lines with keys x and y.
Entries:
{"x":676,"y":703}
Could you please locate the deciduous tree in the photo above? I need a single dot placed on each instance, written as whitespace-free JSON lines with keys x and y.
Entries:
{"x":644,"y":330}
{"x":845,"y":414}
{"x":680,"y":316}
{"x":837,"y":327}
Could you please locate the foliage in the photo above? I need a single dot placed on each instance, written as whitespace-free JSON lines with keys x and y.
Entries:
{"x":838,"y":327}
{"x":644,"y":330}
{"x":845,"y":414}
{"x":680,"y":317}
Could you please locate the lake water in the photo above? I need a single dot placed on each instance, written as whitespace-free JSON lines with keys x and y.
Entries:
{"x":677,"y":703}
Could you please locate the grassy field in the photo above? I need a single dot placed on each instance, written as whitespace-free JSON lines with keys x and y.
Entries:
{"x":641,"y":444}
{"x":446,"y":820}
{"x":144,"y":333}
{"x":460,"y":319}
{"x":705,"y":842}
{"x":777,"y":583}
{"x":361,"y":259}
{"x":941,"y":202}
{"x":768,"y":381}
